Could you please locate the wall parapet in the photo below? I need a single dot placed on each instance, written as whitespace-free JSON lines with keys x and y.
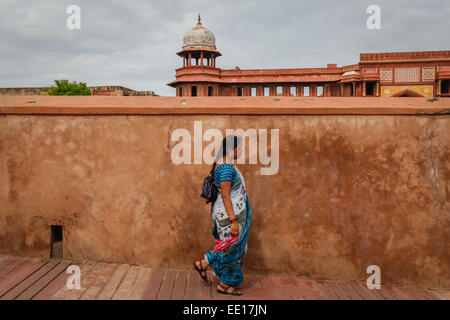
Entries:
{"x":346,"y":192}
{"x":91,"y":105}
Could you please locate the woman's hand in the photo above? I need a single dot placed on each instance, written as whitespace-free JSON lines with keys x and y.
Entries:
{"x":234,"y":228}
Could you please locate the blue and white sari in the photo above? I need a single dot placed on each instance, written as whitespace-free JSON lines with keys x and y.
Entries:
{"x":227,"y":264}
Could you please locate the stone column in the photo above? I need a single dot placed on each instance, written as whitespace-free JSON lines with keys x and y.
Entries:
{"x":190,"y":59}
{"x":354,"y":89}
{"x":378,"y":89}
{"x":201,"y":58}
{"x":341,"y":85}
{"x":364,"y":89}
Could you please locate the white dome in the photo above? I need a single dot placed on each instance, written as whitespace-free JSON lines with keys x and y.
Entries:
{"x":199,"y":37}
{"x":350,"y":73}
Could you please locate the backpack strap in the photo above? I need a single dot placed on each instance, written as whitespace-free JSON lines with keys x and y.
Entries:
{"x":213,"y":168}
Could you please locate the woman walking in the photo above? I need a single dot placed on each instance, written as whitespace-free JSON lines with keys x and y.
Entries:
{"x":231,"y":215}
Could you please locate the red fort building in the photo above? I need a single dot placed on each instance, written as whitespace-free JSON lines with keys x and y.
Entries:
{"x":396,"y":74}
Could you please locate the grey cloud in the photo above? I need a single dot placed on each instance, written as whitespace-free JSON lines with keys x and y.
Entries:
{"x":133,"y":43}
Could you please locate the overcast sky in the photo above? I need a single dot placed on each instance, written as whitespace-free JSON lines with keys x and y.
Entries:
{"x":133,"y":43}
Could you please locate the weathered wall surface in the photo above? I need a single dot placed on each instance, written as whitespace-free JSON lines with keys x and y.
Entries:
{"x":22,"y":91}
{"x":351,"y":191}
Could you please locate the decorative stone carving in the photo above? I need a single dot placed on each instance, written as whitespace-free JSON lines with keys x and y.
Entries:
{"x":428,"y":73}
{"x":386,"y":74}
{"x":407,"y":74}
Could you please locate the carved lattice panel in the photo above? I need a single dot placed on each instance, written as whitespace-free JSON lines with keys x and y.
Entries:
{"x":428,"y":73}
{"x":407,"y":74}
{"x":386,"y":74}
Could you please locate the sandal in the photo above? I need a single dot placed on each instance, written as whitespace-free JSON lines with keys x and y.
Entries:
{"x":204,"y":277}
{"x":235,"y":291}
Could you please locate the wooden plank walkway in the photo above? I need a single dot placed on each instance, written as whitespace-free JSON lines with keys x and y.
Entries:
{"x":36,"y":279}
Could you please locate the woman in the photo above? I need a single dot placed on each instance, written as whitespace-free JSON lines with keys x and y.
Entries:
{"x":230,"y":214}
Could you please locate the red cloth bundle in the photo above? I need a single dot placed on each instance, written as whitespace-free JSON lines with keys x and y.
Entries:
{"x":225,"y":243}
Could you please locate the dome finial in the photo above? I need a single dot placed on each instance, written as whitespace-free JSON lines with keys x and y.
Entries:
{"x":199,"y":37}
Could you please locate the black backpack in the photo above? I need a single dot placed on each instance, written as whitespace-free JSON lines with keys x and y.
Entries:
{"x":209,"y":190}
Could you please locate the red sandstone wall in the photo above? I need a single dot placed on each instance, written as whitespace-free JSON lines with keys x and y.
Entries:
{"x":22,"y":91}
{"x":351,"y":191}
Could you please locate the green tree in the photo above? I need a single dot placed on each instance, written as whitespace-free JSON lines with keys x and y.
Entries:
{"x":66,"y":88}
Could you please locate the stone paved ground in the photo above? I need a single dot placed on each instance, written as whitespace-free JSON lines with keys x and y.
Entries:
{"x":33,"y":278}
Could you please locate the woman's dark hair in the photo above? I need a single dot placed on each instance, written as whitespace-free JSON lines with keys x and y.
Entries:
{"x":229,"y":142}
